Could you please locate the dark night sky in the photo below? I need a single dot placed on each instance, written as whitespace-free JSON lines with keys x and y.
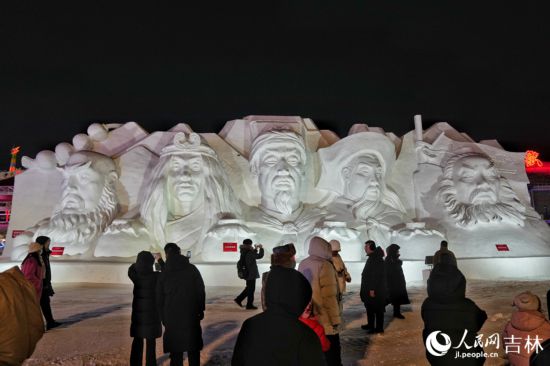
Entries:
{"x":484,"y":69}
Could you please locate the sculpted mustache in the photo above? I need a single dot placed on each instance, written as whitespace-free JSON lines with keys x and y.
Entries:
{"x":477,"y":191}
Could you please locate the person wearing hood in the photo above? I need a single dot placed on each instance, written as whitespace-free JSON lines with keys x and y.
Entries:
{"x":527,"y":321}
{"x":374,"y":291}
{"x":33,"y":268}
{"x":284,"y":256}
{"x":320,"y":272}
{"x":47,"y":288}
{"x":397,"y":286}
{"x":181,"y":303}
{"x":276,"y":336}
{"x":20,"y":318}
{"x":145,"y":316}
{"x":447,"y":313}
{"x":249,"y":254}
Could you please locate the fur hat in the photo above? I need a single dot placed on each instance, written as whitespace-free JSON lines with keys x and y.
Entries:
{"x":34,"y":247}
{"x":282,"y":256}
{"x":335,"y":245}
{"x":527,"y":301}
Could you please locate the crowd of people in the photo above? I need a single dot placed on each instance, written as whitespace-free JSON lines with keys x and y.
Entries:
{"x":302,"y":315}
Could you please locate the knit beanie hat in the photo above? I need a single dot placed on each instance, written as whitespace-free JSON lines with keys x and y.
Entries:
{"x":527,"y":301}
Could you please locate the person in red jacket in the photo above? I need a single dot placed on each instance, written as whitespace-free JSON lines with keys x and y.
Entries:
{"x":33,"y":268}
{"x":309,"y":319}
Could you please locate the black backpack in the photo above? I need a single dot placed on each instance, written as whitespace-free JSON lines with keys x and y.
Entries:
{"x":242,"y":270}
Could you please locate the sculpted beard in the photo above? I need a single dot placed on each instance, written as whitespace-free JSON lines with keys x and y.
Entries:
{"x":509,"y":208}
{"x":283,"y":197}
{"x":364,"y":207}
{"x":84,"y":227}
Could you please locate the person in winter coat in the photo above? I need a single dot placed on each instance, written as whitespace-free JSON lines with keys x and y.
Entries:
{"x":276,"y":336}
{"x":284,"y":256}
{"x":309,"y":319}
{"x":47,"y":289}
{"x":527,"y":321}
{"x":145,"y":316}
{"x":33,"y":268}
{"x":397,"y":287}
{"x":320,"y":272}
{"x":444,"y":252}
{"x":374,"y":291}
{"x":21,"y":321}
{"x":339,"y":266}
{"x":250,"y":254}
{"x":447,"y":311}
{"x":181,"y":303}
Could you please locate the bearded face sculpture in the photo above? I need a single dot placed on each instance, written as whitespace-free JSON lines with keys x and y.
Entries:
{"x":278,"y":160}
{"x":472,"y":191}
{"x":88,"y":202}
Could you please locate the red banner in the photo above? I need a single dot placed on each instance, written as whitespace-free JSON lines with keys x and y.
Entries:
{"x":58,"y":250}
{"x":502,"y":247}
{"x":16,"y":233}
{"x":230,"y":247}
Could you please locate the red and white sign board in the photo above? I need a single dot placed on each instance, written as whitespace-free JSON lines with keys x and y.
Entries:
{"x":502,"y":247}
{"x":58,"y":250}
{"x":16,"y":233}
{"x":230,"y":247}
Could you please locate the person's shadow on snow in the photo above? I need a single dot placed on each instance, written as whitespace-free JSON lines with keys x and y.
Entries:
{"x":95,"y":313}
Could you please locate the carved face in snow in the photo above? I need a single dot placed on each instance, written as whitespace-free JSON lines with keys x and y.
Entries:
{"x":82,"y":189}
{"x":362,"y":178}
{"x":185,"y":177}
{"x":472,"y":192}
{"x":476,"y":180}
{"x":278,"y":159}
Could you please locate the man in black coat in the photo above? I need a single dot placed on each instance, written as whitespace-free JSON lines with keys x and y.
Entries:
{"x":250,"y":254}
{"x":145,"y":315}
{"x":181,"y":303}
{"x":397,"y":287}
{"x":374,"y":291}
{"x":47,"y":289}
{"x":276,"y":336}
{"x":448,"y":315}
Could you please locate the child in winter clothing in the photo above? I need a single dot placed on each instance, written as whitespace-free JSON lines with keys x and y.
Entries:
{"x":527,"y":321}
{"x":309,"y":319}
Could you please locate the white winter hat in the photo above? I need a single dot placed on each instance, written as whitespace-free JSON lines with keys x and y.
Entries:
{"x":335,"y":245}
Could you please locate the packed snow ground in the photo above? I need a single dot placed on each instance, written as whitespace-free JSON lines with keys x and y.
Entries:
{"x":96,"y":323}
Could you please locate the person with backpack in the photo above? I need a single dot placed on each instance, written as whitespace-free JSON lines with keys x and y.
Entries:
{"x":248,"y":271}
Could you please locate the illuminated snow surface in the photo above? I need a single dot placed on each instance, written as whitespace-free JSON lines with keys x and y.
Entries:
{"x":96,"y":328}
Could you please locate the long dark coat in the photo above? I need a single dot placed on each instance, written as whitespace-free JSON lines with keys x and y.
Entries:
{"x":145,"y":316}
{"x":47,"y":282}
{"x":448,"y":310}
{"x":397,"y":286}
{"x":374,"y":278}
{"x":276,"y":336}
{"x":181,"y":302}
{"x":250,"y":257}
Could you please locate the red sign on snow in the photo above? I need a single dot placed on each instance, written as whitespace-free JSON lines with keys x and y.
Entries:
{"x":230,"y":247}
{"x":502,"y":247}
{"x":58,"y":250}
{"x":16,"y":233}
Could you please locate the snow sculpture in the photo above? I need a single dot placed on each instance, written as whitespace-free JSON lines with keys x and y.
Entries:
{"x":355,"y":170}
{"x":278,"y":160}
{"x":186,"y":194}
{"x":473,"y":192}
{"x":88,"y":204}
